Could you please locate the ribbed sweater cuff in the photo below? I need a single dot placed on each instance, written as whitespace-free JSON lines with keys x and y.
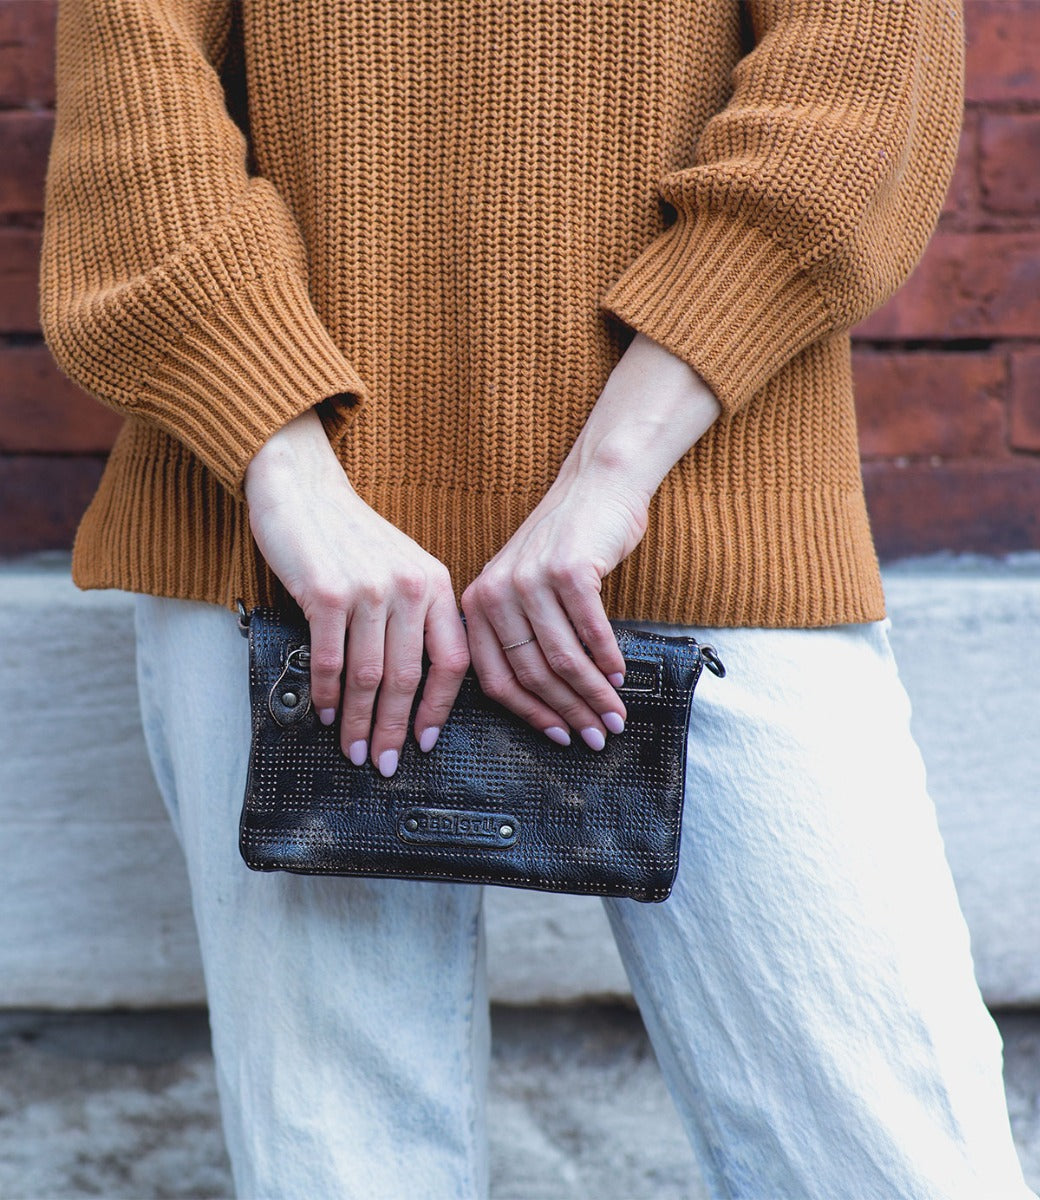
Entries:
{"x":725,"y":298}
{"x":242,"y":371}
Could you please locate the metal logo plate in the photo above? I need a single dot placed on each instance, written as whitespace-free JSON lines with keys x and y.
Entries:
{"x":457,"y":827}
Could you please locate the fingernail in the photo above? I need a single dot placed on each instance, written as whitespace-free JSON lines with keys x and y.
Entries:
{"x":428,"y":737}
{"x":558,"y":735}
{"x":358,"y":753}
{"x":613,"y":721}
{"x":617,"y":679}
{"x":387,"y":763}
{"x":326,"y":715}
{"x":594,"y":738}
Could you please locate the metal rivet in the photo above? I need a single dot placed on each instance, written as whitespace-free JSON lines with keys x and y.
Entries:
{"x":290,"y":699}
{"x":505,"y":831}
{"x":411,"y":824}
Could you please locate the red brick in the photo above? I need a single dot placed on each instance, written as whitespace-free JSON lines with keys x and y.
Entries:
{"x":961,"y":199}
{"x":966,"y":285}
{"x":42,"y":411}
{"x":1001,"y":59}
{"x":1009,"y":162}
{"x":984,"y":508}
{"x":25,"y":139}
{"x":44,"y":498}
{"x":1025,"y":399}
{"x":951,"y":405}
{"x":27,"y":52}
{"x":19,"y":280}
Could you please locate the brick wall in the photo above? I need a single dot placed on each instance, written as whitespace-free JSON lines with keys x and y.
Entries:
{"x":947,"y":373}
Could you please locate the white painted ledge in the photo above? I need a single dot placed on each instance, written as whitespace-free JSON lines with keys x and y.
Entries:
{"x":96,"y":912}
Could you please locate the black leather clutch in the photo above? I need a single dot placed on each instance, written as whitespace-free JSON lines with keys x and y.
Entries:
{"x":493,"y":802}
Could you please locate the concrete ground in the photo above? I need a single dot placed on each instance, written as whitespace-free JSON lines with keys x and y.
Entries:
{"x":123,"y":1105}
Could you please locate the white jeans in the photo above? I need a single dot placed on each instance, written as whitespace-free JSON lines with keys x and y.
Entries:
{"x":808,"y":987}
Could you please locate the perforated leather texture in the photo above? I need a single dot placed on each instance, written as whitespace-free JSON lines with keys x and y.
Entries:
{"x":494,"y":801}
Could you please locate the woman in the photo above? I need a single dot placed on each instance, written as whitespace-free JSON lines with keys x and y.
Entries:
{"x":540,"y":310}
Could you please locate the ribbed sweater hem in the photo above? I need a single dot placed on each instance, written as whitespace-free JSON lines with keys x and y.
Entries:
{"x":717,"y":558}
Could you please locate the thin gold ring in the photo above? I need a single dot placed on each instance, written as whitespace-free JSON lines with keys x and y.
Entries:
{"x":514,"y":645}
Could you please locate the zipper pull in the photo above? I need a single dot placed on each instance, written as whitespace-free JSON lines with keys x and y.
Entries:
{"x":243,"y":617}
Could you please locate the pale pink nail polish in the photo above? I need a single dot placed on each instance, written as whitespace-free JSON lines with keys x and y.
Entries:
{"x":387,"y":763}
{"x":558,"y":735}
{"x":326,"y":715}
{"x":617,"y":679}
{"x":613,"y":721}
{"x":358,"y":752}
{"x":593,"y":738}
{"x":428,"y":737}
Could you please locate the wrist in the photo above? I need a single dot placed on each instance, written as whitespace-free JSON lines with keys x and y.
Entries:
{"x":603,"y":478}
{"x":635,"y":438}
{"x":298,"y":450}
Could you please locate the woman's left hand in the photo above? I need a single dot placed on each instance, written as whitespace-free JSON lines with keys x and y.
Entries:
{"x":537,"y":601}
{"x":542,"y":589}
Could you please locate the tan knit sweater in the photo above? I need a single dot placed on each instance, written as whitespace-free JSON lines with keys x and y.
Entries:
{"x":448,"y":216}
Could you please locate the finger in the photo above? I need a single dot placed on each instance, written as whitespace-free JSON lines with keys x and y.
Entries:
{"x":535,"y":675}
{"x":566,"y":658}
{"x":402,"y":673}
{"x":497,"y":680}
{"x":449,"y":658}
{"x":589,"y":619}
{"x":362,"y":676}
{"x":328,"y":631}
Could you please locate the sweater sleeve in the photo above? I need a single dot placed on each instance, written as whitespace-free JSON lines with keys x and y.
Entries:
{"x":173,"y":283}
{"x":812,"y":194}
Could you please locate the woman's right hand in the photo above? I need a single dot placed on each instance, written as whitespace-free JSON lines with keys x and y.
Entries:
{"x":350,"y":570}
